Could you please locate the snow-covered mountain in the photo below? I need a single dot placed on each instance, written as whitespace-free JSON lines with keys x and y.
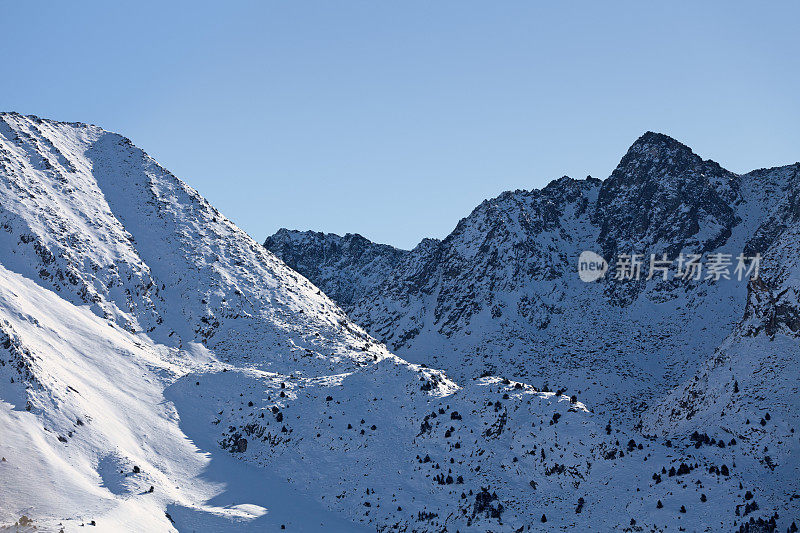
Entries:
{"x":161,"y":370}
{"x":501,"y":293}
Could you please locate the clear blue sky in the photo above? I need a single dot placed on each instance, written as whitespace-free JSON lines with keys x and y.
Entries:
{"x":395,"y":119}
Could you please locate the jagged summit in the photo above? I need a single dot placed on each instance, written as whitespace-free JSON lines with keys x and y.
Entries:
{"x":655,"y":155}
{"x":350,"y":249}
{"x":661,"y":195}
{"x":355,"y":238}
{"x":505,"y":275}
{"x":39,"y":120}
{"x":659,"y":140}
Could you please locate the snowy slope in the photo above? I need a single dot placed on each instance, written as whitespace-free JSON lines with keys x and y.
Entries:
{"x":93,"y":219}
{"x":749,"y":390}
{"x":145,"y":341}
{"x":89,"y":215}
{"x":92,"y":411}
{"x":501,"y":294}
{"x":119,"y":402}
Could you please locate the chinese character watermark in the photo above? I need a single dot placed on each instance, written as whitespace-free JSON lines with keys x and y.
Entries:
{"x":688,"y":267}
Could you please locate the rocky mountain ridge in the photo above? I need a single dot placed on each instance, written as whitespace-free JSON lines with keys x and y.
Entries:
{"x":502,"y":291}
{"x":162,"y":371}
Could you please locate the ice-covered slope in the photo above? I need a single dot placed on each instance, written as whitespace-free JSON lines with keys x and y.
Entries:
{"x":111,"y":414}
{"x":155,"y":271}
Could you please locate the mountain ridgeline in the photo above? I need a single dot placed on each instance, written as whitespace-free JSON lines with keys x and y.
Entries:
{"x":668,"y":356}
{"x":160,"y":370}
{"x":502,"y":290}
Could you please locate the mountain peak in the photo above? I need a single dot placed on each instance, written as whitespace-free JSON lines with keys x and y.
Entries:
{"x":659,"y":148}
{"x":656,"y":156}
{"x":657,"y":138}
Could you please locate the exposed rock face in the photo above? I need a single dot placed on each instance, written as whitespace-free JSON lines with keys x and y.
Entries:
{"x":662,"y":195}
{"x":772,"y":304}
{"x":350,"y":265}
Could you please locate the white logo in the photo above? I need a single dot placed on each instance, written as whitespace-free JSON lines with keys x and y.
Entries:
{"x":591,"y":266}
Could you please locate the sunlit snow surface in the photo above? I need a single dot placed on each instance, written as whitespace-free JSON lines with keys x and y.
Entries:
{"x":148,"y":342}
